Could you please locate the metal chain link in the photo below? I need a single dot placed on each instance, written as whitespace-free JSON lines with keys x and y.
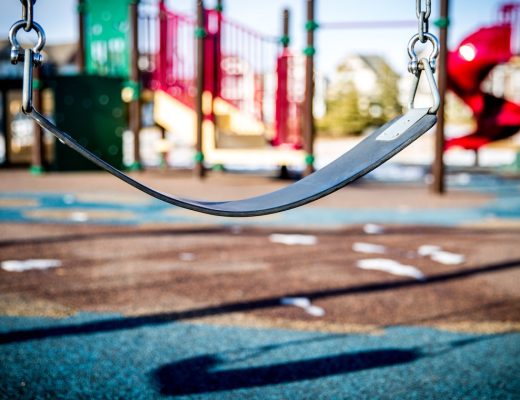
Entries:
{"x":27,"y":13}
{"x":423,"y":18}
{"x":418,"y":8}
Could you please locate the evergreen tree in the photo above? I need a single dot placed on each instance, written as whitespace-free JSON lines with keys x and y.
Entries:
{"x":387,"y":98}
{"x":343,"y":115}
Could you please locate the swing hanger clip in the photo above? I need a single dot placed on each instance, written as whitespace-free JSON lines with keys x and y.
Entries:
{"x":28,"y":24}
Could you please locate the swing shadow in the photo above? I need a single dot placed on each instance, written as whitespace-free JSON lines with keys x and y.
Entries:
{"x":201,"y":374}
{"x":197,"y":375}
{"x":121,"y":323}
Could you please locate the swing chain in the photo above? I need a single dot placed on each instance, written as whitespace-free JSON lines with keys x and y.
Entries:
{"x":423,"y":36}
{"x":28,"y":24}
{"x":27,"y":14}
{"x":423,"y":18}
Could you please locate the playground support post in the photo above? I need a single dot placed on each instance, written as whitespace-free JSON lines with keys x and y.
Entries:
{"x":285,"y":32}
{"x":4,"y":127}
{"x":135,"y":77}
{"x":80,"y":58}
{"x":37,"y":153}
{"x":308,"y":123}
{"x":438,"y":185}
{"x":200,"y":36}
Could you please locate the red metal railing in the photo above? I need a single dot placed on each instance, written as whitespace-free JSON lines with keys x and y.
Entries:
{"x":241,"y":68}
{"x":148,"y":25}
{"x":175,"y":62}
{"x":247,"y":60}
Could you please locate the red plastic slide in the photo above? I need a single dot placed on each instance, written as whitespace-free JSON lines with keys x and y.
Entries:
{"x":496,"y":118}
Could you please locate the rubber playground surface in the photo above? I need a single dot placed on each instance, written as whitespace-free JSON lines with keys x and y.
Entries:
{"x":150,"y":301}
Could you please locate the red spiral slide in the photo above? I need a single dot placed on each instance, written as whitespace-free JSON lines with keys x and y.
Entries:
{"x":496,"y":118}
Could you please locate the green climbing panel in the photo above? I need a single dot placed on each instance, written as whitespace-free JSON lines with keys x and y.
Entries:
{"x":91,"y":110}
{"x":107,"y":37}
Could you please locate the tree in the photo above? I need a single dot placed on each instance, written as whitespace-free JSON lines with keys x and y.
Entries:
{"x":387,"y":99}
{"x":343,"y":116}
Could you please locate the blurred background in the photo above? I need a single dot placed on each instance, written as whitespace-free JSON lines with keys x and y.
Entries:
{"x":360,"y":81}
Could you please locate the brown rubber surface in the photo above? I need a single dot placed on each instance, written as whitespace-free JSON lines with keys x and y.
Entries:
{"x":237,"y":276}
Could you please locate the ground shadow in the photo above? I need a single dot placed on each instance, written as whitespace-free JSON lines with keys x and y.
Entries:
{"x":245,"y":231}
{"x":120,"y":323}
{"x":201,"y":374}
{"x":120,"y":232}
{"x":195,"y":375}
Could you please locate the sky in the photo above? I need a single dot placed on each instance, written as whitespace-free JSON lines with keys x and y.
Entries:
{"x":58,"y":17}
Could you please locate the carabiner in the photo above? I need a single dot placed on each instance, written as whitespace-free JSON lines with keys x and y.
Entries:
{"x":424,"y":65}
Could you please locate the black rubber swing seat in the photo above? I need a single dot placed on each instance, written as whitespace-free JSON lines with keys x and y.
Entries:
{"x":370,"y":153}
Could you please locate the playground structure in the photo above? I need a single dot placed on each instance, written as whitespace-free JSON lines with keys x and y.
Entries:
{"x":237,"y":95}
{"x":254,"y":98}
{"x":469,"y":65}
{"x":249,"y":106}
{"x":255,"y":92}
{"x":252,"y":91}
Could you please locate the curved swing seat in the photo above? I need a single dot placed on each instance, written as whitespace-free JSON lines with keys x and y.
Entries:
{"x":370,"y":153}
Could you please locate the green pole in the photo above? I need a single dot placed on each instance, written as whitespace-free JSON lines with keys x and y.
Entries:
{"x":37,"y":155}
{"x":200,"y":34}
{"x":135,"y":77}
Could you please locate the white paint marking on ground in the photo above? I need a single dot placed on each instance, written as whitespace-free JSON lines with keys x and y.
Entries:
{"x":292,"y":240}
{"x":315,"y":311}
{"x":79,"y":216}
{"x":369,"y":248}
{"x":303,"y":303}
{"x":445,"y":257}
{"x":392,"y":267}
{"x":436,"y":253}
{"x":373,"y":229}
{"x":26,"y":265}
{"x":187,"y":256}
{"x":428,"y":249}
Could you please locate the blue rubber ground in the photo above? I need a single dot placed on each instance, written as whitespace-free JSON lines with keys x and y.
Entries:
{"x":109,"y":357}
{"x":506,"y":205}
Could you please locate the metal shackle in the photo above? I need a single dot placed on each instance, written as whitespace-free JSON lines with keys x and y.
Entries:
{"x":413,"y":65}
{"x":16,"y":49}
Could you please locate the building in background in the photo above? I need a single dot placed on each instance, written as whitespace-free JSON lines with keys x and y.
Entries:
{"x":16,"y":129}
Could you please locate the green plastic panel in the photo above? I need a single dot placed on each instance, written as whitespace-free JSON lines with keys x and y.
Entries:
{"x":91,"y":110}
{"x":107,"y":37}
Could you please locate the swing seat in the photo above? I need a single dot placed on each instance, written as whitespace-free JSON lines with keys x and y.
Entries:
{"x":370,"y":153}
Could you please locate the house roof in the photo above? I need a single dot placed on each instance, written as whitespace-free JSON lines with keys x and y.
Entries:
{"x":56,"y":54}
{"x":375,"y":63}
